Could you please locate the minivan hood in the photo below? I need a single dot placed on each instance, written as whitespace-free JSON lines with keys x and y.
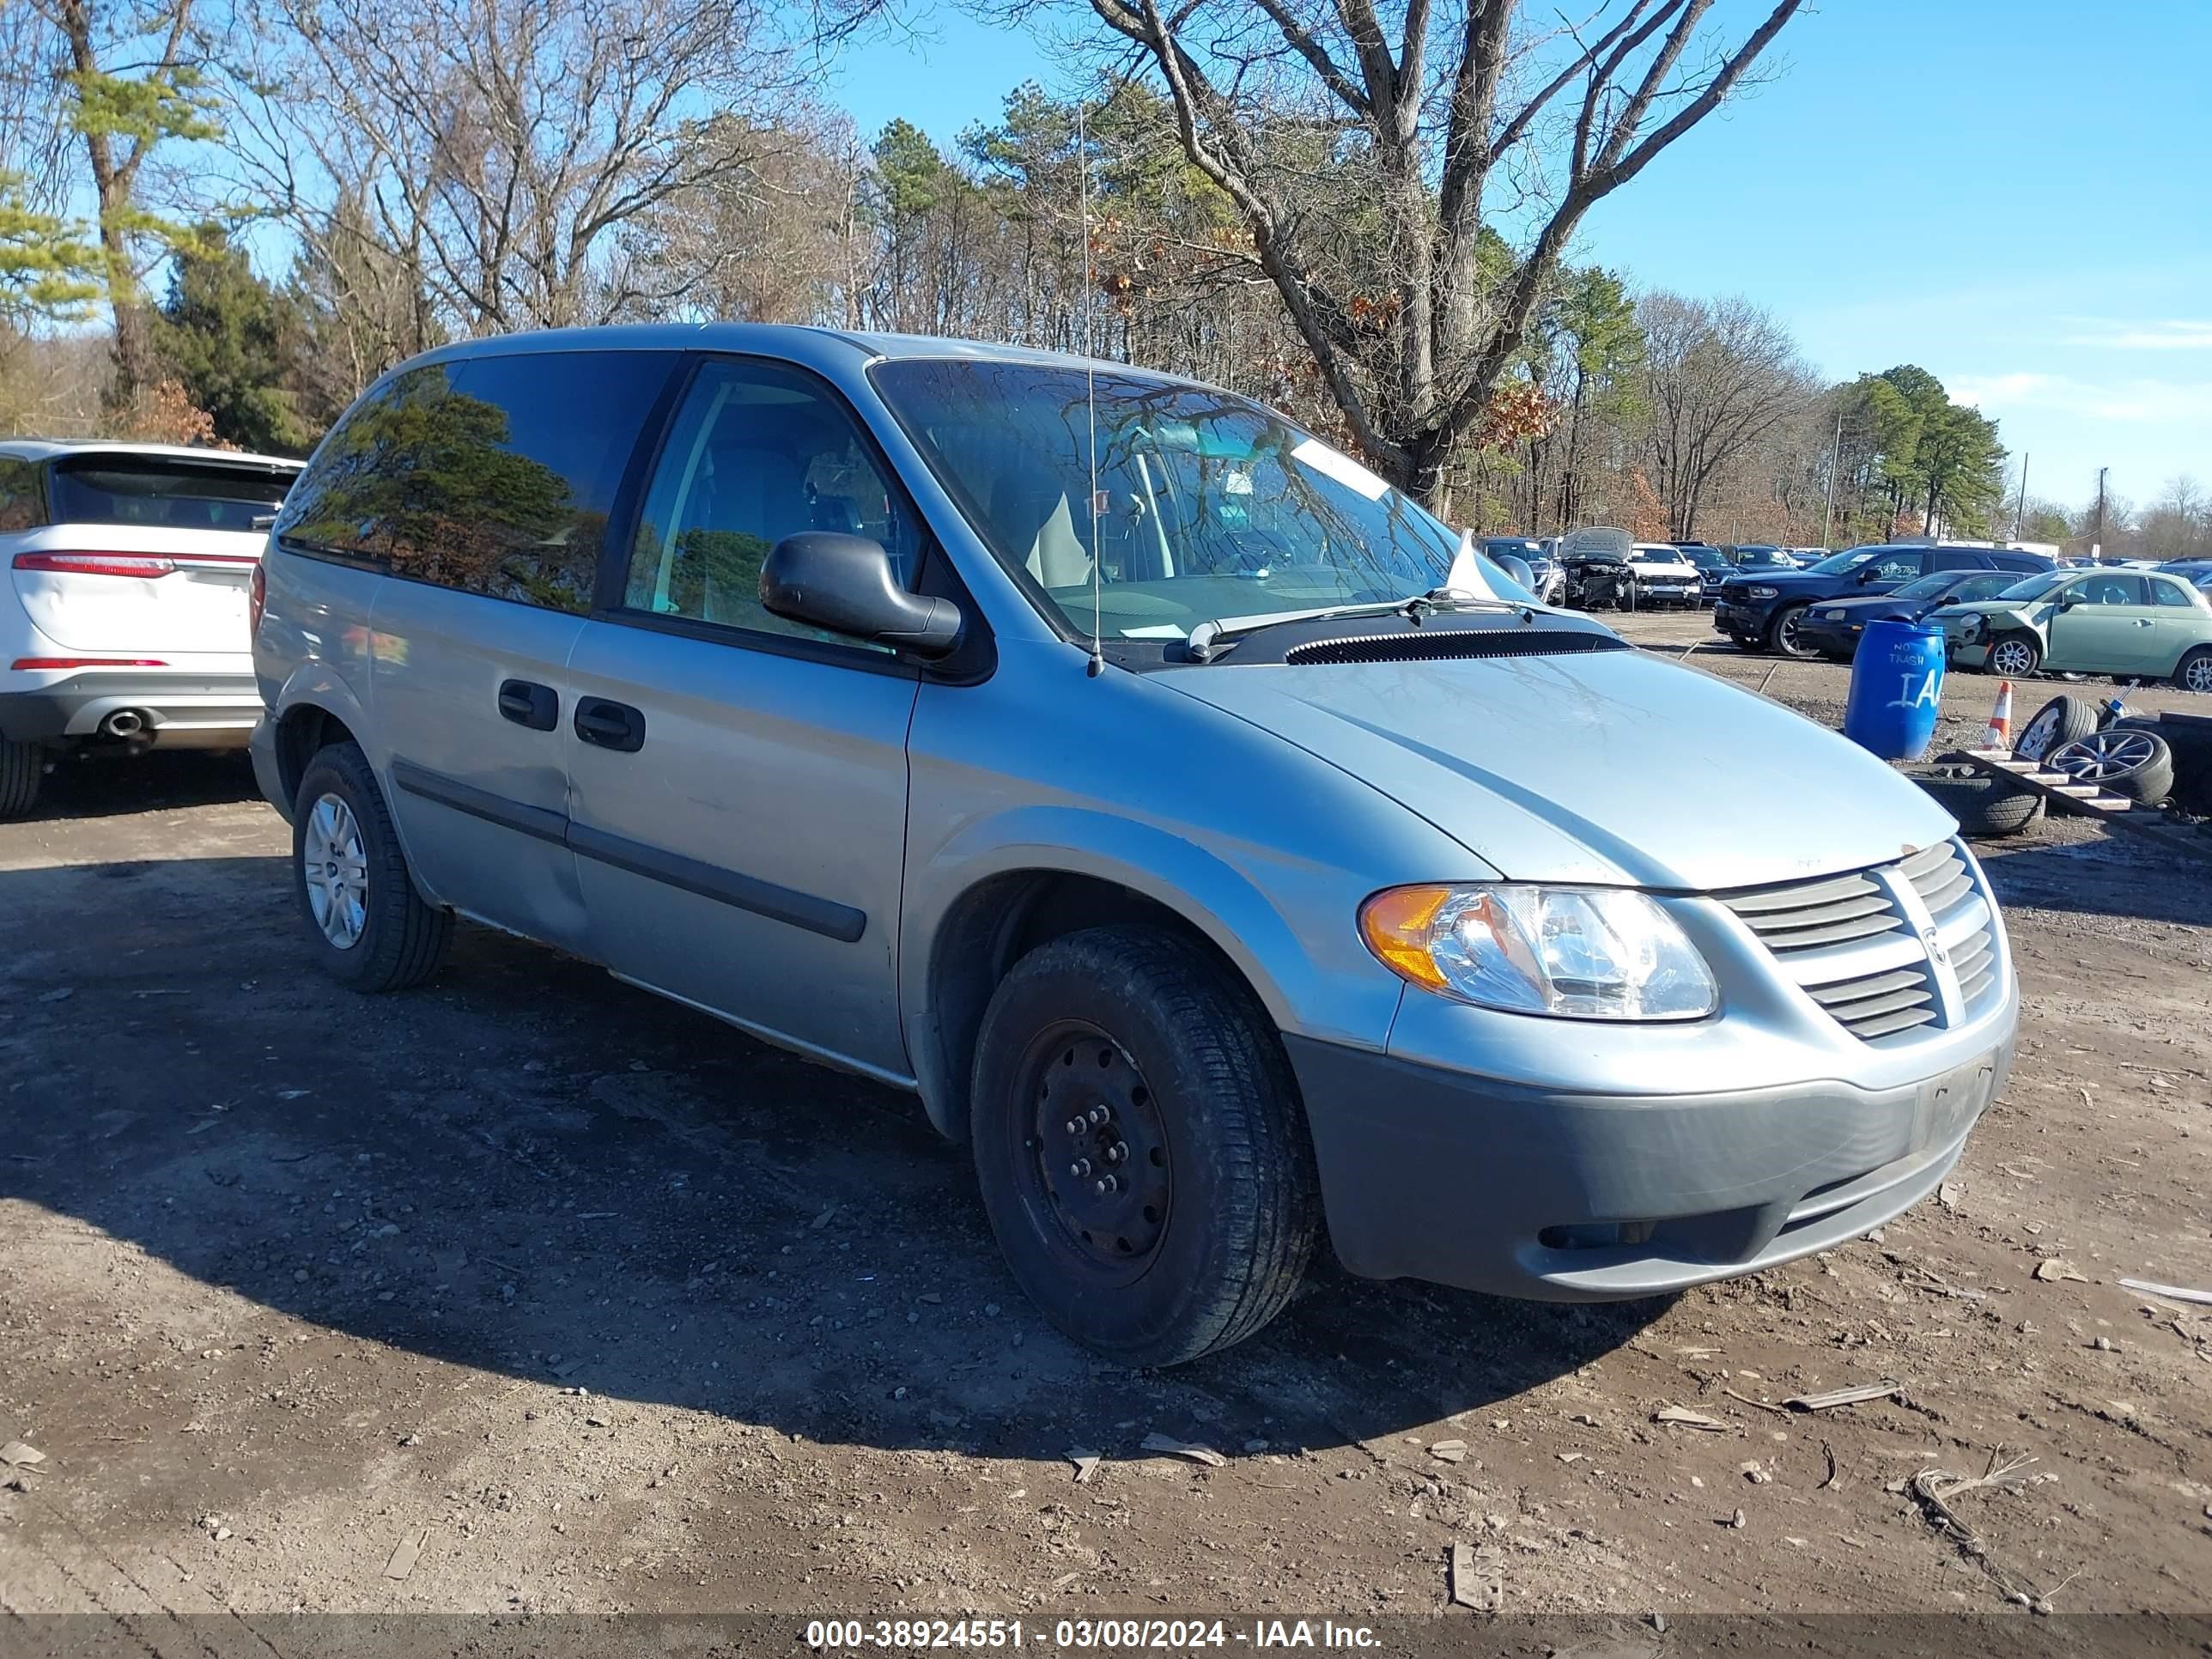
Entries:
{"x":1608,"y":767}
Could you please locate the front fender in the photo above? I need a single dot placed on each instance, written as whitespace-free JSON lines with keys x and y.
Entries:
{"x":1327,"y":987}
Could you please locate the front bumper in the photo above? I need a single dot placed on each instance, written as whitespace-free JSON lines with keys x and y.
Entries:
{"x":196,"y":709}
{"x":1488,"y":1185}
{"x":1743,"y":618}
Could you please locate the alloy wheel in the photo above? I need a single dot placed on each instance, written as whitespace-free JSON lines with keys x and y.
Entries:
{"x":2036,"y":739}
{"x":2197,"y":676}
{"x":2012,"y":657}
{"x":334,"y":865}
{"x":2103,"y":755}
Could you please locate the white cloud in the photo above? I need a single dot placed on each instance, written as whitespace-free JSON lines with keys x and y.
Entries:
{"x":2134,"y":400}
{"x":2171,"y":334}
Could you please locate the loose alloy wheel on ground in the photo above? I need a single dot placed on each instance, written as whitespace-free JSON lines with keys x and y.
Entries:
{"x":2123,"y":760}
{"x":2058,"y":722}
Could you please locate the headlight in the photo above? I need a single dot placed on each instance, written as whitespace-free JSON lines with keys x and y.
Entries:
{"x":1970,"y":626}
{"x":1763,"y":591}
{"x":1834,"y":615}
{"x":1579,"y":952}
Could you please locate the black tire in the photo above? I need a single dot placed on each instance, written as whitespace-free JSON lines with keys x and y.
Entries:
{"x":2194,"y":671}
{"x":1782,"y":632}
{"x":2058,"y":723}
{"x":1985,"y":807}
{"x":1223,"y":1199}
{"x":401,"y":939}
{"x":23,"y":768}
{"x":2121,"y":760}
{"x":2024,"y":643}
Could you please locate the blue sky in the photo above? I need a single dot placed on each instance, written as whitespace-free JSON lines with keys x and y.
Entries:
{"x":2015,"y":196}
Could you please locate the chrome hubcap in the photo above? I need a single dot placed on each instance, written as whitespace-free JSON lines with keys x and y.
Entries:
{"x":2104,"y":754}
{"x":335,"y":867}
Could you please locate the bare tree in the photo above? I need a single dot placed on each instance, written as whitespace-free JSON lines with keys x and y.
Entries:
{"x":501,"y":148}
{"x":1721,"y":376}
{"x":1411,"y":305}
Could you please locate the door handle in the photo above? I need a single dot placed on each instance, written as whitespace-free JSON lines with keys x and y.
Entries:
{"x":610,"y":724}
{"x":528,"y":703}
{"x":2144,"y":621}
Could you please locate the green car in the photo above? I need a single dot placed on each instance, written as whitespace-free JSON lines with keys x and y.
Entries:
{"x":2130,"y":623}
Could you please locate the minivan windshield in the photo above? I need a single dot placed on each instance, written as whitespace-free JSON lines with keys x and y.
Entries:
{"x":1210,"y":506}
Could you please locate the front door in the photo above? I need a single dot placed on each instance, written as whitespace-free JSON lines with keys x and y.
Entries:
{"x":2105,"y":624}
{"x":739,"y":783}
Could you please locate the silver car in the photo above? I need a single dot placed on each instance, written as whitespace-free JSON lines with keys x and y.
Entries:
{"x":1168,"y":802}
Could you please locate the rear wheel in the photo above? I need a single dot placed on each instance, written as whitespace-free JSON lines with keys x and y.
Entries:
{"x":1139,"y":1145}
{"x":367,"y":925}
{"x":2015,"y":656}
{"x":22,"y":765}
{"x":2195,"y":673}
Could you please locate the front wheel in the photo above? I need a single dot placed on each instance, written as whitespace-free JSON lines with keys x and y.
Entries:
{"x":1143,"y":1157}
{"x":1786,"y":634}
{"x":367,"y":925}
{"x":2014,"y":657}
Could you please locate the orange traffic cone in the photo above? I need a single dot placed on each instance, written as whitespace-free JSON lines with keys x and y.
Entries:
{"x":1998,"y":735}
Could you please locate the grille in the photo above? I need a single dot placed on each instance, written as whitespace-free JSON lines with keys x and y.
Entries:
{"x":1848,"y":946}
{"x":1940,"y":876}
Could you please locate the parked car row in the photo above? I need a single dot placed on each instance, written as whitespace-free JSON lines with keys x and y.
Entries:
{"x":1764,"y":612}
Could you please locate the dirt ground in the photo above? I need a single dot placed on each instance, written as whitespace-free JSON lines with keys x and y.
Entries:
{"x":528,"y":1293}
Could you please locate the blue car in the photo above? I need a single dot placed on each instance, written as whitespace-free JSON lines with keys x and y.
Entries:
{"x":1767,"y":611}
{"x":1834,"y":631}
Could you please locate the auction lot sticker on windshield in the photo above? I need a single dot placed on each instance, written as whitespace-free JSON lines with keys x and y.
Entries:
{"x":1336,"y":465}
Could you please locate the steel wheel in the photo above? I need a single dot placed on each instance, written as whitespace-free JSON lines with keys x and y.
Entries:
{"x":1096,"y":1157}
{"x":335,"y":868}
{"x":2013,"y":658}
{"x":2103,"y":755}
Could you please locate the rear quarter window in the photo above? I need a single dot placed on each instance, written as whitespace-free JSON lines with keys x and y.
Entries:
{"x":492,"y":475}
{"x":156,"y":490}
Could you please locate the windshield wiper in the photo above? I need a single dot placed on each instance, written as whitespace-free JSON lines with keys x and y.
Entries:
{"x":1208,"y":640}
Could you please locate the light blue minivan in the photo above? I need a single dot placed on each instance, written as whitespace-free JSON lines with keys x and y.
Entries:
{"x":1183,"y":814}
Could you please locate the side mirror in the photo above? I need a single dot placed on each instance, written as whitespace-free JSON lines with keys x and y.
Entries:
{"x":2069,"y":599}
{"x":845,"y":585}
{"x":1870,"y":573}
{"x":1517,"y":567}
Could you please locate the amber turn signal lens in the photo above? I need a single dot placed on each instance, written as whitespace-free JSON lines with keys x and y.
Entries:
{"x":1395,"y":924}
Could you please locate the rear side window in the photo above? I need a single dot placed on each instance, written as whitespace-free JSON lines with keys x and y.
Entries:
{"x":490,"y":475}
{"x":156,"y":490}
{"x":2163,"y":592}
{"x":19,"y":494}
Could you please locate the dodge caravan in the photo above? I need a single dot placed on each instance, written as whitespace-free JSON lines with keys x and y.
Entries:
{"x":1161,"y":796}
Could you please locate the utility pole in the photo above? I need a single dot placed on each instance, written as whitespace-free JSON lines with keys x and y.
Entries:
{"x":1835,"y":453}
{"x":2020,"y":513}
{"x":2097,"y":537}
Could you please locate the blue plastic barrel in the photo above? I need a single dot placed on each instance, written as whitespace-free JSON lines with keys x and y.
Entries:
{"x":1897,"y":690}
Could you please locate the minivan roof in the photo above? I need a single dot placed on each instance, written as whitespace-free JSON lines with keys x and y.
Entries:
{"x":799,"y":340}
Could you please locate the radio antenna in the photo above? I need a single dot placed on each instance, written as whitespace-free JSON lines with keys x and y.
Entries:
{"x":1089,"y":386}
